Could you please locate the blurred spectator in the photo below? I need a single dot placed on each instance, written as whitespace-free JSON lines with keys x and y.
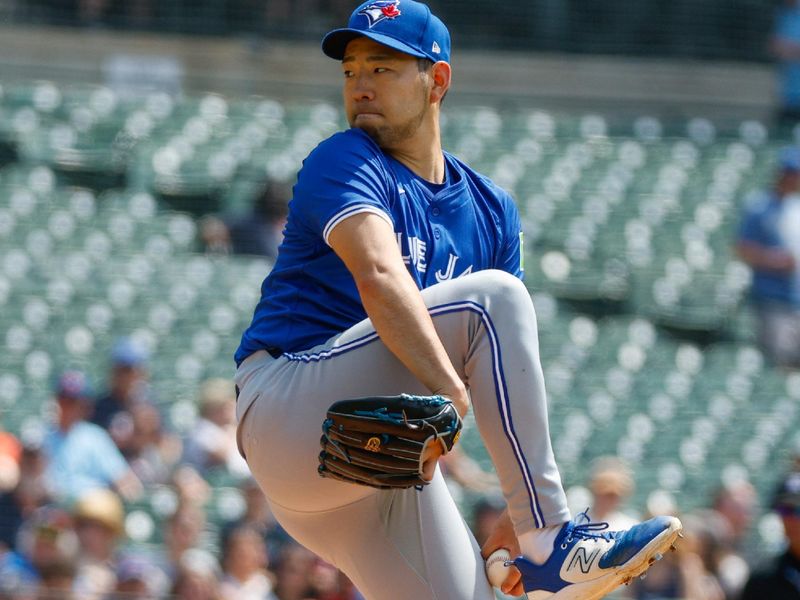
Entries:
{"x":46,"y":562}
{"x":708,"y":564}
{"x":152,"y":451}
{"x":197,"y":577}
{"x":769,"y":242}
{"x":786,"y":49}
{"x":99,"y":522}
{"x":458,"y":467}
{"x":10,"y":452}
{"x":259,"y":233}
{"x":29,"y":494}
{"x":484,"y":516}
{"x":244,"y":564}
{"x":294,"y":565}
{"x":81,"y":456}
{"x":736,"y":504}
{"x":212,"y":442}
{"x":138,"y":579}
{"x":328,"y":583}
{"x":258,"y":516}
{"x":128,"y":386}
{"x":782,"y":579}
{"x":348,"y":591}
{"x":611,"y":484}
{"x":686,"y":573}
{"x":183,"y":530}
{"x":215,"y":235}
{"x":190,"y":488}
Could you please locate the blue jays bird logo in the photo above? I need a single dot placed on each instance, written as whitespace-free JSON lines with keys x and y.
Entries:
{"x":379,"y":11}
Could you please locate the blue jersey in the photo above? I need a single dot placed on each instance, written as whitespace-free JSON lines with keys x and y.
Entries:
{"x":787,"y":29}
{"x":762,"y":224}
{"x":466,"y":225}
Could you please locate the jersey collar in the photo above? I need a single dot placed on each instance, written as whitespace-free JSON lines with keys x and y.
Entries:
{"x":451,"y":196}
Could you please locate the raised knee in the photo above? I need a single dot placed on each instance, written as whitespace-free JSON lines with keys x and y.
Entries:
{"x":501,"y":287}
{"x":501,"y":282}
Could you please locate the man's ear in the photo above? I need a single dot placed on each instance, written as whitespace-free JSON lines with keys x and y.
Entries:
{"x":440,"y":79}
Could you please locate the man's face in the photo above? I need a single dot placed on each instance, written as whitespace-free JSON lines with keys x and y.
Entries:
{"x":72,"y":409}
{"x":96,"y":539}
{"x":791,"y":524}
{"x":792,"y":179}
{"x":125,"y":378}
{"x":385,"y":94}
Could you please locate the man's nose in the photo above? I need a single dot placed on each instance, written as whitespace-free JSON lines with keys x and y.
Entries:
{"x":362,"y":88}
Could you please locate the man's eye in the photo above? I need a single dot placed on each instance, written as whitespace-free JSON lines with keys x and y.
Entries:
{"x":348,"y":74}
{"x":381,"y":69}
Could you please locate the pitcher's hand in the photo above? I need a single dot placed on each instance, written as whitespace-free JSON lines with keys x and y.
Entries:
{"x":503,"y":536}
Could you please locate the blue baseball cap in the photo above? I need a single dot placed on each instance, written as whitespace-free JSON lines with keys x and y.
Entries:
{"x":790,"y":159}
{"x":129,"y":353}
{"x":74,"y":384}
{"x":404,"y":25}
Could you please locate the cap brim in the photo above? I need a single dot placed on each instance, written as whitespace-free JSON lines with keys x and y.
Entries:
{"x":335,"y":42}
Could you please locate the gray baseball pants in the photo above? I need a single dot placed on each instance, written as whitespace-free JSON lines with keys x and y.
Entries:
{"x":407,"y":544}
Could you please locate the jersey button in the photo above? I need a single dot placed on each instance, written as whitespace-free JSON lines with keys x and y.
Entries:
{"x":435,"y":211}
{"x":437,"y":234}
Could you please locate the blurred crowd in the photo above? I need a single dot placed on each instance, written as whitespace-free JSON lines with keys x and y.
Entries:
{"x":73,"y":497}
{"x":258,"y":232}
{"x":71,"y":494}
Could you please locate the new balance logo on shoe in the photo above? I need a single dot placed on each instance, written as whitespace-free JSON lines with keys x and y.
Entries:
{"x":582,"y":559}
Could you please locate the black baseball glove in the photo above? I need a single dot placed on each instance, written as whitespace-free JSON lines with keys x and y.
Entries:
{"x":380,"y":441}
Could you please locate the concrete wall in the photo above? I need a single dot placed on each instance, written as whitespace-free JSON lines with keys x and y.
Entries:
{"x":283,"y":69}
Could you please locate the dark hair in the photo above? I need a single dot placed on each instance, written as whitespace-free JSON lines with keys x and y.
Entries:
{"x":424,"y":64}
{"x":232,"y":533}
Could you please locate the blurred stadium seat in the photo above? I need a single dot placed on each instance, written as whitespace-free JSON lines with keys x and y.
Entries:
{"x":629,"y":218}
{"x":645,"y":338}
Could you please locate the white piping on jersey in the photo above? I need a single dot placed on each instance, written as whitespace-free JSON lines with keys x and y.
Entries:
{"x":349,"y":212}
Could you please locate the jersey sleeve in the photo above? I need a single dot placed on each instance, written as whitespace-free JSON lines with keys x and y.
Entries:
{"x":512,"y":253}
{"x":749,"y":230}
{"x":342,"y":177}
{"x":750,"y":227}
{"x":110,"y":465}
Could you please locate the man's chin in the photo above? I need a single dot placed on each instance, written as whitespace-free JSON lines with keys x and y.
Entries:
{"x":369,"y":130}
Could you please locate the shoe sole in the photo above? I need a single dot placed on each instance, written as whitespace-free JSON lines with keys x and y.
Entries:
{"x":636,"y":566}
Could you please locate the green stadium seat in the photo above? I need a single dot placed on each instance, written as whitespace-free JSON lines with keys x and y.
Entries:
{"x":631,"y":216}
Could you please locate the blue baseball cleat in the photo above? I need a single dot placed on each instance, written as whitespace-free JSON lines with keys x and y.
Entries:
{"x":588,"y":562}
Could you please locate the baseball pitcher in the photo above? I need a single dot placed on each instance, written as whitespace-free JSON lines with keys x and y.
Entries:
{"x":396,"y":306}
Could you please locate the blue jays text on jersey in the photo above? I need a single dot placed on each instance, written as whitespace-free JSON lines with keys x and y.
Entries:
{"x":444,"y":231}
